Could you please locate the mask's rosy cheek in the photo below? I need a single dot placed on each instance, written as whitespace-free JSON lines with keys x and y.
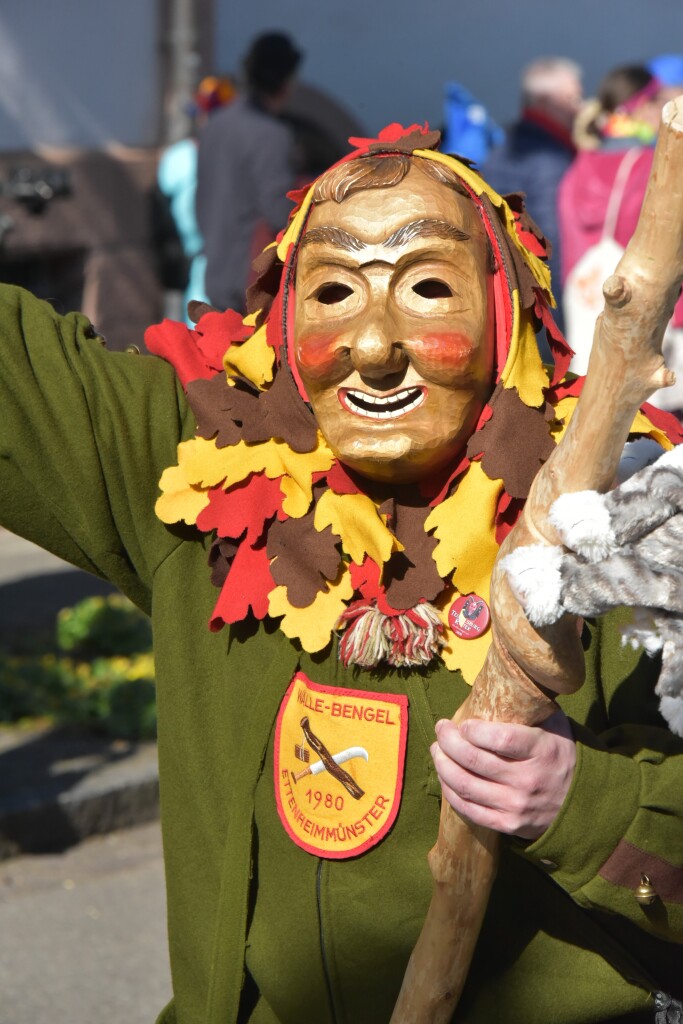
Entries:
{"x":318,"y":356}
{"x":442,"y":356}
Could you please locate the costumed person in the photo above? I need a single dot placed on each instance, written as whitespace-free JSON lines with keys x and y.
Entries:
{"x":599,"y":202}
{"x":538,"y":148}
{"x":177,"y":180}
{"x":348,"y":458}
{"x":246,"y":165}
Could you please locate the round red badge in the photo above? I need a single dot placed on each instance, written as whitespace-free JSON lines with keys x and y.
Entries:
{"x":469,"y":616}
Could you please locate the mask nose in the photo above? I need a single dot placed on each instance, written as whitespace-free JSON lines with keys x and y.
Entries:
{"x":375,"y":352}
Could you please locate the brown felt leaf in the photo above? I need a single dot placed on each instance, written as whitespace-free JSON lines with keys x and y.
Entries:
{"x":240,"y":411}
{"x":304,"y":558}
{"x":286,"y":415}
{"x":514,"y":442}
{"x":260,"y":294}
{"x":196,"y":310}
{"x":516,"y":268}
{"x":408,"y":143}
{"x":221,"y":554}
{"x":411,"y":575}
{"x":221,"y":410}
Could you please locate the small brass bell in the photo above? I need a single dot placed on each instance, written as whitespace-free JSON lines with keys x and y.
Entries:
{"x":645,"y":893}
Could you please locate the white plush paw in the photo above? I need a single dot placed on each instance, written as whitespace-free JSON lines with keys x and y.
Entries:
{"x":673,"y":459}
{"x":536,"y":581}
{"x":583,"y":522}
{"x":643,"y":632}
{"x":672,"y":711}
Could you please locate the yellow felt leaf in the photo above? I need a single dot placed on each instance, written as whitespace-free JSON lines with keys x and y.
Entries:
{"x":355,"y":519}
{"x":524,"y":368}
{"x":179,"y":501}
{"x":295,"y":227}
{"x":563,"y":413}
{"x":466,"y":655}
{"x":206,"y":465}
{"x":642,"y":425}
{"x":313,"y":626}
{"x":253,"y":359}
{"x":464,"y":525}
{"x":297,"y":499}
{"x":203,"y":464}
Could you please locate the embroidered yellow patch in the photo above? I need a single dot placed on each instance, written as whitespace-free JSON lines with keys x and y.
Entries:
{"x":339,"y":758}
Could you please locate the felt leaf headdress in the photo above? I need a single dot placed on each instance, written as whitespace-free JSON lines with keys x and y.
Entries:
{"x":301,"y":538}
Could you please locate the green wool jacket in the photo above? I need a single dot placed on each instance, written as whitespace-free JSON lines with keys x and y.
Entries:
{"x":260,"y":930}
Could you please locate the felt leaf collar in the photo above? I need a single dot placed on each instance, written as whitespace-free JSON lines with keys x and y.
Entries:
{"x":302,"y":539}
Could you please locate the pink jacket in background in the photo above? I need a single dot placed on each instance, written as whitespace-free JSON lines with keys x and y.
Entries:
{"x":582,"y":204}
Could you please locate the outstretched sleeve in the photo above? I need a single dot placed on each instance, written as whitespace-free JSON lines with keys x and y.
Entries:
{"x":84,"y":437}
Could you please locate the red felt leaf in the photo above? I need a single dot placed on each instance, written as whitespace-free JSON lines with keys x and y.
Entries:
{"x":365,"y":577}
{"x":297,"y":195}
{"x":665,"y":421}
{"x":392,"y":133}
{"x":571,"y":386}
{"x":559,"y":347}
{"x":247,"y":586}
{"x":246,"y":506}
{"x":528,"y":238}
{"x":199,"y":353}
{"x":438,"y":487}
{"x":507,"y":514}
{"x":340,"y":480}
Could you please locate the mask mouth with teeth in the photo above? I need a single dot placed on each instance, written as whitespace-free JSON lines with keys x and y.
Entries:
{"x":367,"y":435}
{"x":382,"y":407}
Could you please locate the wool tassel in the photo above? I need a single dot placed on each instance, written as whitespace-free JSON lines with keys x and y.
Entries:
{"x":406,"y":640}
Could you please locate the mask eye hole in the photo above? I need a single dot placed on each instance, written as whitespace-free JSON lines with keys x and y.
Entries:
{"x":331,"y":294}
{"x":431,"y":288}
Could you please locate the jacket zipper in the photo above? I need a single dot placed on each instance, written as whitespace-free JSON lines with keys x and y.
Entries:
{"x":323,"y":952}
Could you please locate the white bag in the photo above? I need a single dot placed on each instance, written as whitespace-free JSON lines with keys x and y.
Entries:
{"x":583,"y":300}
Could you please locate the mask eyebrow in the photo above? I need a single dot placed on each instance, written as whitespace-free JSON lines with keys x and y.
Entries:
{"x":425,"y":228}
{"x":333,"y":236}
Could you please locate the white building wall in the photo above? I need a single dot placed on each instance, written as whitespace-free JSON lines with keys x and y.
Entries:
{"x":78,"y":73}
{"x":388,"y":59}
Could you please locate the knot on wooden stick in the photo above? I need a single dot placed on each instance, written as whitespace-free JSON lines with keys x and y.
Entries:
{"x":617,"y":291}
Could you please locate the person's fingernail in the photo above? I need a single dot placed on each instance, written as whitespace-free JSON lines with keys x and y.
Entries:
{"x":440,"y":724}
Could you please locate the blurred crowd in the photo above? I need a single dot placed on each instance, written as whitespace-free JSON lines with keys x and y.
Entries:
{"x":582,"y":163}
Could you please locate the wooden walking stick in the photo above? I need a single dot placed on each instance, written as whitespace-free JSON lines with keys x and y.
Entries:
{"x":626,"y":366}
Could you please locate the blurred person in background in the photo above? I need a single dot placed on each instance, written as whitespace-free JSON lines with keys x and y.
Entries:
{"x":469,"y":130}
{"x":177,"y":181}
{"x":538,"y":148}
{"x":245,"y":169}
{"x":600,"y":198}
{"x":668,"y":68}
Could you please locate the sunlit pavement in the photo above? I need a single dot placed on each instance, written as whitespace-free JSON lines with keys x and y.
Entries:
{"x":83,"y":933}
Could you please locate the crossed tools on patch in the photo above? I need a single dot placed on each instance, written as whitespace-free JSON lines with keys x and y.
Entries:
{"x":328,"y":762}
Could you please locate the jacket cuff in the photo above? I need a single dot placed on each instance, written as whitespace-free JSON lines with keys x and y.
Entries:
{"x":601,"y":803}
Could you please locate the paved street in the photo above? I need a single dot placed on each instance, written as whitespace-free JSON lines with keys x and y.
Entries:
{"x":35,"y":585}
{"x":83,"y":934}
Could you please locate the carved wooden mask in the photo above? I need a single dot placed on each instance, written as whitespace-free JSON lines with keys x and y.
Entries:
{"x":394,"y":325}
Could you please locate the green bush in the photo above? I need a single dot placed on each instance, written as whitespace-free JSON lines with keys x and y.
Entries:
{"x":103,"y":626}
{"x":113,"y":692}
